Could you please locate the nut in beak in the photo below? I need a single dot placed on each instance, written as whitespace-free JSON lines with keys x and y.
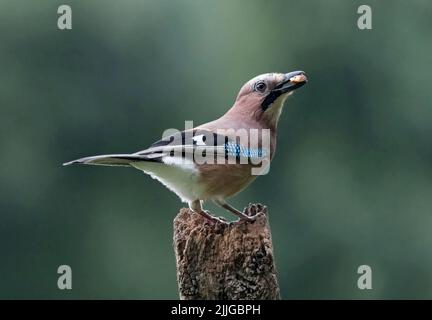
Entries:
{"x":298,"y":78}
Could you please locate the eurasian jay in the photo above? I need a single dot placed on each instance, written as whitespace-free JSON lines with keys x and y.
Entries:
{"x":216,"y":160}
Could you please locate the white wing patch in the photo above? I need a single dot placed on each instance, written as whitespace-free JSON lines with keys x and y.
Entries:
{"x":199,"y":140}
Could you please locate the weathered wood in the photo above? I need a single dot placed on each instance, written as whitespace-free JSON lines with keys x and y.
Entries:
{"x":217,"y":261}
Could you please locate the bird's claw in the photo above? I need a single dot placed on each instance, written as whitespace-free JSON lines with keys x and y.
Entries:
{"x":248,"y":218}
{"x":251,"y":212}
{"x":212,"y":219}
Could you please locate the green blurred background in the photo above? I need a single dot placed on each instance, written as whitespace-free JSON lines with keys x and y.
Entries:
{"x":351,"y":183}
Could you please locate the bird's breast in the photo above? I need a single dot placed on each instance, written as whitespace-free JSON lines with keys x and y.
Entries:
{"x":221,"y":181}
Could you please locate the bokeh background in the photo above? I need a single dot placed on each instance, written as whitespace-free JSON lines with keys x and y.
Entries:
{"x":351,"y":183}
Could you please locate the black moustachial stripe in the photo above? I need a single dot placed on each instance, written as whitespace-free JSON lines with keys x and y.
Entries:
{"x":269,"y":99}
{"x":280,"y":89}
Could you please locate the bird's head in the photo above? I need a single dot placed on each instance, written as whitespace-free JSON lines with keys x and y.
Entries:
{"x":263,"y":96}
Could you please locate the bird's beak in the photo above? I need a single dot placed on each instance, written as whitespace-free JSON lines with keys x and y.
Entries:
{"x":291,"y":81}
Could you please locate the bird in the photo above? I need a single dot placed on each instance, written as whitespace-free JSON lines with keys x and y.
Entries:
{"x":211,"y":162}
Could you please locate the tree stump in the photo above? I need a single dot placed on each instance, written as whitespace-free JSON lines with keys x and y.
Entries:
{"x":218,"y":261}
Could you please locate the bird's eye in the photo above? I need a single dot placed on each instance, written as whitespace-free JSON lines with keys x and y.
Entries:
{"x":260,"y":86}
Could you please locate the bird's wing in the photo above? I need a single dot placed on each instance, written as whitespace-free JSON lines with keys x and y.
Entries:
{"x":182,"y":144}
{"x":185,"y":144}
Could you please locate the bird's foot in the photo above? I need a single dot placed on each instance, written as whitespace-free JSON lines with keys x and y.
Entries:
{"x":211,"y":218}
{"x":247,"y":218}
{"x":251,"y":212}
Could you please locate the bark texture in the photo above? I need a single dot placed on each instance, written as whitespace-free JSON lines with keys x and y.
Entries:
{"x":217,"y":261}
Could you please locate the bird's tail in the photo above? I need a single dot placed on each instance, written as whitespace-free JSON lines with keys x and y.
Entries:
{"x":122,"y":160}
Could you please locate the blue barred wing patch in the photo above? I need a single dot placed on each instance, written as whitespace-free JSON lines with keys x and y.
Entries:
{"x":238,"y":151}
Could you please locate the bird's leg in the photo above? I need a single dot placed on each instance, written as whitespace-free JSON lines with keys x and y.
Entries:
{"x":233,"y":210}
{"x":196,"y":206}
